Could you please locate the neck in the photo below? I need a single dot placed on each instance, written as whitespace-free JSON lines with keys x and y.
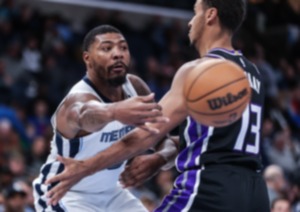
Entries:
{"x":220,"y":40}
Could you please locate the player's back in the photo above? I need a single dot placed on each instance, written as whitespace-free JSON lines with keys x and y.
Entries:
{"x":236,"y":144}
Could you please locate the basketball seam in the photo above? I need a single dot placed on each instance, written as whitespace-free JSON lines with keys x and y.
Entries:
{"x":203,"y":72}
{"x":232,"y":82}
{"x":216,"y":114}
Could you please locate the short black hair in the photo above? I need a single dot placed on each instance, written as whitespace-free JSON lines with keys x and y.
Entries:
{"x":99,"y":30}
{"x":231,"y":12}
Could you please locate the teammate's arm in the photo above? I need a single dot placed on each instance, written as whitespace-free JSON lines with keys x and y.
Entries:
{"x":135,"y":142}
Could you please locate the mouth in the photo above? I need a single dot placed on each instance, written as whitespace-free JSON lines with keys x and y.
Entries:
{"x":118,"y":67}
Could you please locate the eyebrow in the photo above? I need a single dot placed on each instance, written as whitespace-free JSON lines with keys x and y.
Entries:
{"x":111,"y":42}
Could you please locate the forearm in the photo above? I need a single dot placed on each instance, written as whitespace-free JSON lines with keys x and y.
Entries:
{"x":129,"y":146}
{"x":94,"y":115}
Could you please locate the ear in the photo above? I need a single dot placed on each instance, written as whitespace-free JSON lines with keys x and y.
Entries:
{"x":86,"y":57}
{"x":211,"y":15}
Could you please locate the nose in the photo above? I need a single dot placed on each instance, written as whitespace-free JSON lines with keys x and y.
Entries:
{"x":117,"y":54}
{"x":190,"y":24}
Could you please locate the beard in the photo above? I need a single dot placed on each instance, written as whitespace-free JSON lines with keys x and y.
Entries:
{"x":118,"y":80}
{"x":113,"y":81}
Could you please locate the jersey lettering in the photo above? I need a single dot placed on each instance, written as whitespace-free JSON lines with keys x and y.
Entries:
{"x":255,"y":128}
{"x":115,"y":135}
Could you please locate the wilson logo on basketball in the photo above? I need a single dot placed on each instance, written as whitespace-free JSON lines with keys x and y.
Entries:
{"x":230,"y":98}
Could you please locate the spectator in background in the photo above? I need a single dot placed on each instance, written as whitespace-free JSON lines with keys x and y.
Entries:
{"x":281,"y":205}
{"x":285,"y":151}
{"x":9,"y":118}
{"x":39,"y":153}
{"x":40,"y":120}
{"x":52,"y":80}
{"x":32,"y":56}
{"x":5,"y":84}
{"x":294,"y":104}
{"x":13,"y":60}
{"x":275,"y":181}
{"x":6,"y":178}
{"x":160,"y":77}
{"x":15,"y":199}
{"x":295,"y":191}
{"x":17,"y":165}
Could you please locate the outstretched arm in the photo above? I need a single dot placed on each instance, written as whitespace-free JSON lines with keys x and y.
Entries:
{"x":83,"y":113}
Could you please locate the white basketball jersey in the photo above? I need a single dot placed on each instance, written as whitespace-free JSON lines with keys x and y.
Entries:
{"x":88,"y":146}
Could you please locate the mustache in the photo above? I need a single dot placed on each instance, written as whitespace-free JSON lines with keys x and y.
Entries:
{"x":118,"y":63}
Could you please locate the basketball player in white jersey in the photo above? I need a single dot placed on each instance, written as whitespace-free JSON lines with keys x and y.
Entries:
{"x":97,"y":111}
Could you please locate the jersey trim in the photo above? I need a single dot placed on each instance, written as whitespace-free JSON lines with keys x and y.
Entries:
{"x":180,"y":199}
{"x":90,"y":83}
{"x":196,"y":145}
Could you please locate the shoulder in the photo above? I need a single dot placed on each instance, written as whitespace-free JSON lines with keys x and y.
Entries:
{"x":202,"y":63}
{"x":183,"y":71}
{"x":139,"y":85}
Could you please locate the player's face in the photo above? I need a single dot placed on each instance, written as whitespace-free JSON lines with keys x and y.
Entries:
{"x":197,"y":23}
{"x":109,"y":57}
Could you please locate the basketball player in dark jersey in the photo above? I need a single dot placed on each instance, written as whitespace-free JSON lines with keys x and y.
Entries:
{"x":219,"y":167}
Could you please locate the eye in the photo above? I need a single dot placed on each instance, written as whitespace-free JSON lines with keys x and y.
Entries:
{"x":106,"y":48}
{"x":124,"y":48}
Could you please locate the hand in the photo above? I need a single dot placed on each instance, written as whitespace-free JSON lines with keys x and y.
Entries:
{"x":139,"y":111}
{"x":141,"y":169}
{"x":74,"y":171}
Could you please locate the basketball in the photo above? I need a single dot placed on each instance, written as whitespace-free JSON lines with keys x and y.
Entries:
{"x":217,"y":92}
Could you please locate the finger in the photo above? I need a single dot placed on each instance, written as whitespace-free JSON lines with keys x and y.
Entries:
{"x":64,"y":160}
{"x":55,"y":198}
{"x":60,"y":159}
{"x":55,"y":179}
{"x":56,"y":193}
{"x":156,"y":120}
{"x":128,"y":181}
{"x":148,"y":98}
{"x":150,"y":106}
{"x":135,"y":180}
{"x":152,"y":130}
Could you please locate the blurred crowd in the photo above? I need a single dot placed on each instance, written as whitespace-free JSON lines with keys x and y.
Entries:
{"x":40,"y":59}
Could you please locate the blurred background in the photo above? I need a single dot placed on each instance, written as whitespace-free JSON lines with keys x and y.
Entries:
{"x":40,"y":59}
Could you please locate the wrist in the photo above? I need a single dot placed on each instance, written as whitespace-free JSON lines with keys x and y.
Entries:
{"x":90,"y":167}
{"x":161,"y":161}
{"x":112,"y":112}
{"x":168,"y":153}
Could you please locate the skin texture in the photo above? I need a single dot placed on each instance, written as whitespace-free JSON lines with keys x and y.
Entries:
{"x":206,"y":34}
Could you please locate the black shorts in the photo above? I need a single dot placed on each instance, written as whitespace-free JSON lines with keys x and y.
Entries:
{"x":220,"y":188}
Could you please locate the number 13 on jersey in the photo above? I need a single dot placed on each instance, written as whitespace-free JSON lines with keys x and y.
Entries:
{"x":252,"y":146}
